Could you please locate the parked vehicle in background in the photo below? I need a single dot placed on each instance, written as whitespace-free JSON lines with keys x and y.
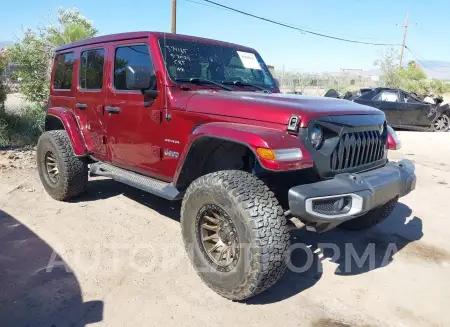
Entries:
{"x":403,"y":109}
{"x":201,"y":120}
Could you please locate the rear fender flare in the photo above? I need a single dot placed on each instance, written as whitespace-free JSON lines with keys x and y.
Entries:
{"x":70,"y":124}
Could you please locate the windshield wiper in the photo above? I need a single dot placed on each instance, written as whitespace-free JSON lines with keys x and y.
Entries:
{"x":241,"y":83}
{"x":196,"y":80}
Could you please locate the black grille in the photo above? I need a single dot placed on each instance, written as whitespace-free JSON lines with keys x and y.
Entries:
{"x":357,"y":149}
{"x":324,"y":205}
{"x":332,"y":206}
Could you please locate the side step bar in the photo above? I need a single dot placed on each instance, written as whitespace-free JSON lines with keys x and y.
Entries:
{"x":144,"y":183}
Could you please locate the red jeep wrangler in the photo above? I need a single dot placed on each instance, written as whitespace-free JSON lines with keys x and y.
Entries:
{"x":200,"y":120}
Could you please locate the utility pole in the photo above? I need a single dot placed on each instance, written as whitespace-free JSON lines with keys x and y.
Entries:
{"x":174,"y":16}
{"x":404,"y":41}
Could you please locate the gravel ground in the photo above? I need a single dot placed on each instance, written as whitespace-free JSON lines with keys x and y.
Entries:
{"x":116,"y":259}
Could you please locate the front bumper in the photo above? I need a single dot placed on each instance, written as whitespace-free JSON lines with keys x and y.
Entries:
{"x":348,"y":195}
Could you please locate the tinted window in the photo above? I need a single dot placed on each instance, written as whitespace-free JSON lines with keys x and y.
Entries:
{"x":220,"y":63}
{"x":132,"y":55}
{"x":387,"y":96}
{"x":63,"y":71}
{"x":91,"y":69}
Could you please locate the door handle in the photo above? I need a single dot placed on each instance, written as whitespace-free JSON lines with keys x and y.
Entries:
{"x":112,"y":110}
{"x":81,"y":106}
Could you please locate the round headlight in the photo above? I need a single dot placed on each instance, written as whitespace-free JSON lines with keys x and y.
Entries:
{"x":316,"y":136}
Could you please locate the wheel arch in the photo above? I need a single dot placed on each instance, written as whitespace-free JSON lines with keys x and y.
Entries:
{"x":243,"y":139}
{"x":209,"y":153}
{"x":58,"y":118}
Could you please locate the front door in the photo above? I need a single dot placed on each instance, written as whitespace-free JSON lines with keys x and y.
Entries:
{"x":134,"y":123}
{"x":90,"y":97}
{"x":416,"y":112}
{"x":389,"y":102}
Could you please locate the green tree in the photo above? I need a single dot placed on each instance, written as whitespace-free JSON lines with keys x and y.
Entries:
{"x":34,"y":52}
{"x":389,"y":65}
{"x":72,"y":26}
{"x":438,"y":87}
{"x":413,"y":79}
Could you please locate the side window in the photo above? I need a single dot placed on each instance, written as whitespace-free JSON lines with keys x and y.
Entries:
{"x":387,"y":96}
{"x":91,"y":69}
{"x":409,"y":99}
{"x":130,"y":55}
{"x":62,"y":79}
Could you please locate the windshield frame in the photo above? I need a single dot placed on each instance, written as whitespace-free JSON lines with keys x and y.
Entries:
{"x":273,"y":88}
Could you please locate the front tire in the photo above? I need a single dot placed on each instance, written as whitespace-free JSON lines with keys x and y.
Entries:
{"x":63,"y":175}
{"x":370,"y":219}
{"x":442,"y":124}
{"x":234,"y":209}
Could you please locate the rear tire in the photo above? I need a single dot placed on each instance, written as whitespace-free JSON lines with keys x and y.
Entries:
{"x":245,"y":208}
{"x":371,"y":218}
{"x":62,"y":174}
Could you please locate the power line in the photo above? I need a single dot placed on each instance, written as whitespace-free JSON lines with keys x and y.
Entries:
{"x":298,"y":26}
{"x":205,"y":4}
{"x":303,"y":30}
{"x":214,"y":4}
{"x":417,"y":56}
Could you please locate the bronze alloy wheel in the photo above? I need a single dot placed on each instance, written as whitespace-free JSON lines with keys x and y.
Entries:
{"x":51,"y":166}
{"x":217,"y":237}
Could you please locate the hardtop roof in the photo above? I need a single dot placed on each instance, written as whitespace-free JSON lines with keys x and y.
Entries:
{"x":143,"y":34}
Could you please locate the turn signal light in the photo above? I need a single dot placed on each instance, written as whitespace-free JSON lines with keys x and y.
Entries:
{"x":267,"y":154}
{"x":393,"y":142}
{"x":280,"y":154}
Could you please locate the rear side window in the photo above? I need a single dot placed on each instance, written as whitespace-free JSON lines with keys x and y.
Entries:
{"x":62,"y":79}
{"x":130,"y":55}
{"x":91,"y":69}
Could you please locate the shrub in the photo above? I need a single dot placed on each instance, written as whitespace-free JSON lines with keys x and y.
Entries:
{"x":24,"y":128}
{"x":2,"y":97}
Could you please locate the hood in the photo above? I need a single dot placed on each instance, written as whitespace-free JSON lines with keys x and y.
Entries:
{"x":273,"y":107}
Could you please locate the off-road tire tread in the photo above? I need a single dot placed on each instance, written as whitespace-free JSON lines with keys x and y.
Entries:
{"x":266,"y":221}
{"x":74,"y":175}
{"x":370,"y":219}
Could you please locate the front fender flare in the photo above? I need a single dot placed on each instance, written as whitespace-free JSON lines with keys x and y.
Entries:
{"x":252,"y":137}
{"x":70,"y":124}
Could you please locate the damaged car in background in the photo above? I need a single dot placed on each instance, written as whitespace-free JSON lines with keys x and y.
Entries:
{"x":402,"y":109}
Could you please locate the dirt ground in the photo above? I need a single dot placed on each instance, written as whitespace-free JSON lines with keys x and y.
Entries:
{"x":114,"y":257}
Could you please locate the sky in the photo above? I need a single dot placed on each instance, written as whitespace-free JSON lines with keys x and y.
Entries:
{"x":370,"y":21}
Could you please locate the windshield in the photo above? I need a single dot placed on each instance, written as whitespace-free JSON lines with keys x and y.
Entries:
{"x":218,"y":63}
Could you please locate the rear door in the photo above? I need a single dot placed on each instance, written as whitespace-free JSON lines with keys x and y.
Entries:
{"x":134,"y":136}
{"x":62,"y":87}
{"x":91,"y":95}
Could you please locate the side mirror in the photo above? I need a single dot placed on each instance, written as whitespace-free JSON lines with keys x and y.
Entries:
{"x":138,"y":77}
